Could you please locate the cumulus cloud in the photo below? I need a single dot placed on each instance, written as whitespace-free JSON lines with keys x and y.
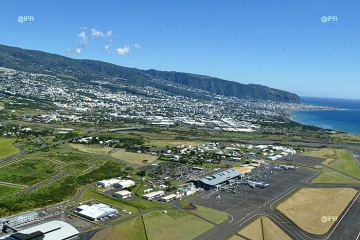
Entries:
{"x":73,"y":52}
{"x":189,"y":60}
{"x":83,"y":27}
{"x":83,"y":41}
{"x":108,"y":46}
{"x":124,"y":50}
{"x":108,"y":34}
{"x":95,"y":33}
{"x":137,"y":46}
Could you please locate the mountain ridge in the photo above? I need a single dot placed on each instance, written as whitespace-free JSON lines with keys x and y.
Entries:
{"x":84,"y":69}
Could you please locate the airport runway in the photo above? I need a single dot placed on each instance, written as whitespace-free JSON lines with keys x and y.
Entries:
{"x":356,"y":155}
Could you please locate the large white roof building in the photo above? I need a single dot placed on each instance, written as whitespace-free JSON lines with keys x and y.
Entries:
{"x":95,"y":211}
{"x":54,"y":230}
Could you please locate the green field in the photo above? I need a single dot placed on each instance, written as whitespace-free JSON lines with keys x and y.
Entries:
{"x":173,"y":142}
{"x":134,"y":158}
{"x":346,"y":163}
{"x":175,"y":224}
{"x":6,"y":190}
{"x":132,"y":229}
{"x":212,"y":215}
{"x":263,"y":228}
{"x":7,"y":148}
{"x":333,"y":177}
{"x":28,"y":171}
{"x":146,"y":205}
{"x":91,"y":148}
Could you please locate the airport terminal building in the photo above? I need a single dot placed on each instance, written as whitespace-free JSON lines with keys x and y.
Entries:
{"x":216,"y":180}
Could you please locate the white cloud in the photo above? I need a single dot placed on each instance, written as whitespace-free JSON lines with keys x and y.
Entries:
{"x":83,"y":27}
{"x":189,"y":60}
{"x":108,"y":34}
{"x":108,"y":46}
{"x":83,"y":41}
{"x":95,"y":33}
{"x":122,"y":51}
{"x":137,"y":46}
{"x":73,"y":52}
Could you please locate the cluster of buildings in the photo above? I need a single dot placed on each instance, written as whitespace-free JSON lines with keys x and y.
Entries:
{"x":75,"y":99}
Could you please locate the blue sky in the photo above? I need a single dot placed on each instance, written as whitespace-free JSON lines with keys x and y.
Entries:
{"x":281,"y":44}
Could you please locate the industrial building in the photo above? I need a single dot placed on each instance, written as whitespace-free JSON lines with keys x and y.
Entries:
{"x":54,"y":230}
{"x":108,"y":182}
{"x":96,"y":211}
{"x":153,"y":195}
{"x":122,"y":194}
{"x":20,"y":219}
{"x":168,"y":197}
{"x":214,"y":181}
{"x":124,"y":184}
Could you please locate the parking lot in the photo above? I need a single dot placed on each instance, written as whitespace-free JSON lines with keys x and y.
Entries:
{"x":242,"y":199}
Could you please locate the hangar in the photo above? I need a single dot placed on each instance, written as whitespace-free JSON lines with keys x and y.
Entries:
{"x":215,"y":180}
{"x":96,"y":211}
{"x":54,"y":230}
{"x":19,"y":220}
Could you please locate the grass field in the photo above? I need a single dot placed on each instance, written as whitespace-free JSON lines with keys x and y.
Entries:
{"x":327,"y":153}
{"x":210,"y":214}
{"x":134,"y":158}
{"x":307,"y":206}
{"x":346,"y":163}
{"x":92,"y":195}
{"x":28,"y":171}
{"x":175,"y":224}
{"x":132,"y":229}
{"x":330,"y":176}
{"x":146,"y":205}
{"x":7,"y":148}
{"x":172,"y":142}
{"x":91,"y":148}
{"x":263,"y":228}
{"x":6,"y":190}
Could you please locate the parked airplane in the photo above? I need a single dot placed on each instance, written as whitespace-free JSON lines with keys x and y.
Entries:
{"x":258,"y":184}
{"x":288,"y":167}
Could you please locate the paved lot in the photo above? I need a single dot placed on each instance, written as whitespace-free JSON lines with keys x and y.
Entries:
{"x":246,"y":200}
{"x":302,"y":160}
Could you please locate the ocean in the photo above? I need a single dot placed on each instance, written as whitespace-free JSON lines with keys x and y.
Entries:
{"x":345,"y":120}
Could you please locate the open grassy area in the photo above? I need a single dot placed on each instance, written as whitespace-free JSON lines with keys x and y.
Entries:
{"x":28,"y":171}
{"x":210,"y":214}
{"x":146,"y":205}
{"x":172,"y":142}
{"x":345,"y":138}
{"x":329,"y":176}
{"x":6,"y":190}
{"x":133,"y":158}
{"x":7,"y":148}
{"x":263,"y":228}
{"x":91,"y":148}
{"x":307,"y":206}
{"x":346,"y":163}
{"x":175,"y":224}
{"x":132,"y":229}
{"x":92,"y":195}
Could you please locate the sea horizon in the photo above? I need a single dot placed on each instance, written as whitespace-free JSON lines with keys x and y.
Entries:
{"x":345,"y":119}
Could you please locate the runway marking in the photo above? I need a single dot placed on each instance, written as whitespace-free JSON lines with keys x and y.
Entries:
{"x":344,"y":215}
{"x":355,"y":156}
